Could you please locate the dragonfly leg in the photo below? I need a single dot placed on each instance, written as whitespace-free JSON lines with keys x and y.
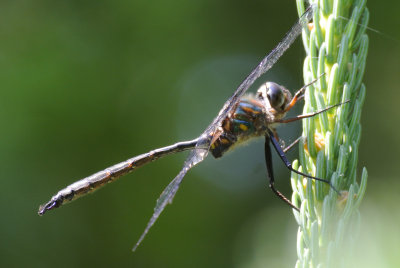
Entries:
{"x":282,"y":142}
{"x":268,"y":161}
{"x":282,"y":155}
{"x":299,"y":117}
{"x":300,"y":94}
{"x":286,"y":149}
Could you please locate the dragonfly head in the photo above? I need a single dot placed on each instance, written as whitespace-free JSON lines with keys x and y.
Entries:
{"x":274,"y":96}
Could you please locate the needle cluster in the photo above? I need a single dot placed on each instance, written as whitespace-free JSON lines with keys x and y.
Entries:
{"x":336,"y":45}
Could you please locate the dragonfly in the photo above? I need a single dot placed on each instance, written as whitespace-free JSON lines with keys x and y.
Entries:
{"x":241,"y":118}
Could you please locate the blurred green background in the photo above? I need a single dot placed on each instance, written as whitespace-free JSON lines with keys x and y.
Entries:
{"x":86,"y":84}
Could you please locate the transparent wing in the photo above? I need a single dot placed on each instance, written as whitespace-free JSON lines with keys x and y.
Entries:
{"x":202,"y":146}
{"x":195,"y":157}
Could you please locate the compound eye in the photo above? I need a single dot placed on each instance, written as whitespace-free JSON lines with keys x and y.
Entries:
{"x":275,"y":95}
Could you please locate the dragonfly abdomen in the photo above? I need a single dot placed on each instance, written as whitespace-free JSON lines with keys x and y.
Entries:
{"x":95,"y":181}
{"x":87,"y":185}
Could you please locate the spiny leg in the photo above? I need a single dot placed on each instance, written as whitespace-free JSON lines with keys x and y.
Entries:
{"x":282,"y":155}
{"x":287,"y":148}
{"x":268,"y":161}
{"x":300,"y":94}
{"x":299,"y":117}
{"x":282,"y":143}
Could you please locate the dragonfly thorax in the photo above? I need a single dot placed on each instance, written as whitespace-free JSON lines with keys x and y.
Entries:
{"x":252,"y":116}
